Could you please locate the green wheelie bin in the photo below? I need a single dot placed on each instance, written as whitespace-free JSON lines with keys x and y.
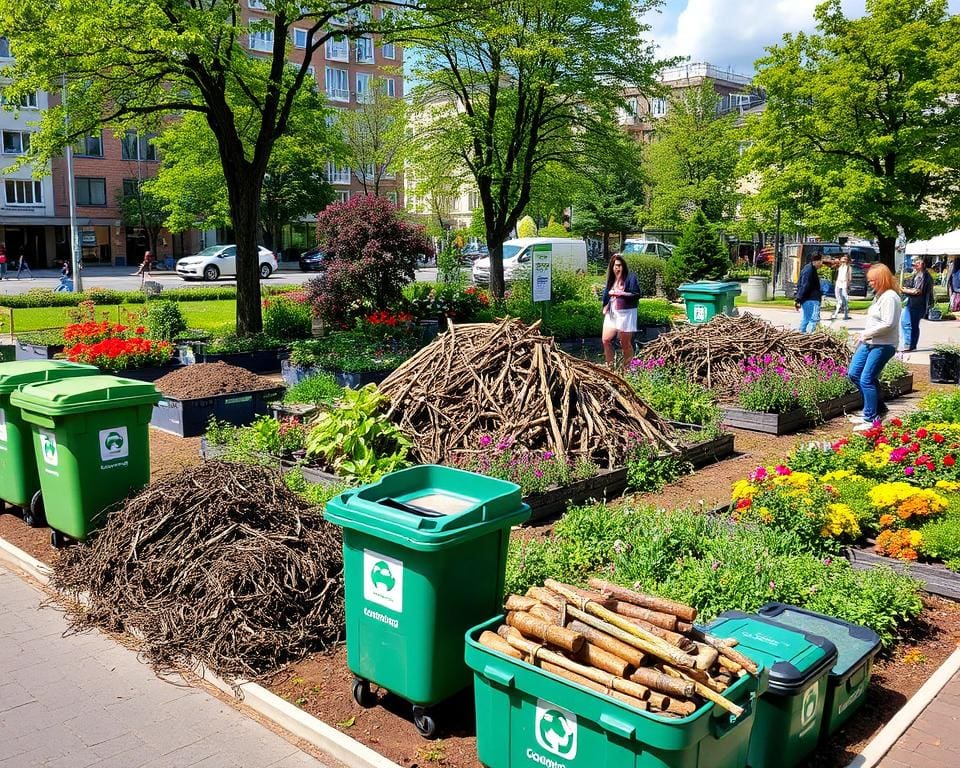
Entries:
{"x":424,"y":557}
{"x":92,"y":444}
{"x":705,"y":299}
{"x":19,"y":481}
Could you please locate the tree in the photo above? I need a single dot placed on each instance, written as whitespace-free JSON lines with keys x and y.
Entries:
{"x":374,"y":135}
{"x":129,"y":63}
{"x":700,"y":254}
{"x":864,"y":117}
{"x":143,"y":209}
{"x":526,"y":227}
{"x":515,"y":86}
{"x":692,"y":161}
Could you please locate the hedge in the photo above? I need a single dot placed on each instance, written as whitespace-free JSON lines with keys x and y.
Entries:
{"x":44,"y":297}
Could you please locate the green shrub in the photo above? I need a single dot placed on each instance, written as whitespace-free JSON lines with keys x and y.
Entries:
{"x":287,"y":319}
{"x":321,"y":389}
{"x":674,"y":394}
{"x":649,"y":271}
{"x":651,"y":312}
{"x":165,"y":320}
{"x":572,"y":319}
{"x":349,"y":351}
{"x":230,"y":343}
{"x":941,"y":539}
{"x":49,"y":337}
{"x":315,"y":493}
{"x":936,"y":407}
{"x":648,"y":471}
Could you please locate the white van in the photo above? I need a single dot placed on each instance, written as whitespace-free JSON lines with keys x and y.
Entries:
{"x":568,"y":253}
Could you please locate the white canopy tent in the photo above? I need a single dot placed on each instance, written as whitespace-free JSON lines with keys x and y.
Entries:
{"x":947,"y":244}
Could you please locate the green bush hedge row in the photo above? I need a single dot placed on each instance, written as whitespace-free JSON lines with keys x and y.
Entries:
{"x":43,"y":297}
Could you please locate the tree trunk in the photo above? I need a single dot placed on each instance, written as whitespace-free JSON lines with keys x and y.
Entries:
{"x":244,"y":195}
{"x":606,"y":247}
{"x":887,"y":247}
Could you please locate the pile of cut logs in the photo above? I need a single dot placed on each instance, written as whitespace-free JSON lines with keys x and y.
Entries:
{"x":637,"y":648}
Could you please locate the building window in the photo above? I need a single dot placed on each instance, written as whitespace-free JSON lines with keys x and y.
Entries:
{"x":389,"y":51}
{"x":473,"y":199}
{"x":337,"y":84}
{"x":91,"y":191}
{"x":27,"y":101}
{"x":366,"y":172}
{"x":15,"y":142}
{"x":343,"y":196}
{"x":392,"y":197}
{"x":23,"y":192}
{"x":262,"y":40}
{"x":338,"y":174}
{"x":338,"y":49}
{"x":363,"y":88}
{"x":257,"y":5}
{"x":390,"y":87}
{"x":658,"y":107}
{"x":136,"y":147}
{"x":299,"y":38}
{"x":4,"y":48}
{"x":90,"y":146}
{"x":365,"y":50}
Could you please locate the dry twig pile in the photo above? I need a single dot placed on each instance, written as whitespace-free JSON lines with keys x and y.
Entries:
{"x":220,"y":563}
{"x":639,"y":649}
{"x":507,"y":381}
{"x":713,"y":351}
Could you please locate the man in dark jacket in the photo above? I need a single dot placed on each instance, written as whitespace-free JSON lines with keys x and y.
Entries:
{"x":808,"y":296}
{"x":919,"y":300}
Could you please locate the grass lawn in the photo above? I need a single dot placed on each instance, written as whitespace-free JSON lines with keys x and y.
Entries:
{"x":783,"y":301}
{"x":207,"y":315}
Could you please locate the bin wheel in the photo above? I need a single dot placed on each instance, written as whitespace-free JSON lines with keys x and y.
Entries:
{"x":34,"y":515}
{"x":57,"y":539}
{"x":362,"y":693}
{"x":424,"y":723}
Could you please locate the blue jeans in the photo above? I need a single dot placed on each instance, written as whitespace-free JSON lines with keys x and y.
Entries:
{"x":809,"y":315}
{"x":843,"y":303}
{"x":864,"y":372}
{"x":911,"y":326}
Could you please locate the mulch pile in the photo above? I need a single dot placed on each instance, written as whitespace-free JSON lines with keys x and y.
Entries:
{"x":210,"y":379}
{"x":712,"y":352}
{"x":506,"y":383}
{"x":221,"y":563}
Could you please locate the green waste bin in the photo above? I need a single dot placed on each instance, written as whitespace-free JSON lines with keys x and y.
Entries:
{"x":526,"y":716}
{"x":790,"y":713}
{"x":706,"y":299}
{"x":92,"y":444}
{"x":856,"y":648}
{"x":424,"y":556}
{"x":19,"y":482}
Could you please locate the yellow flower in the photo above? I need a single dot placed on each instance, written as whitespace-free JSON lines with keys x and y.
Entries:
{"x":948,"y":485}
{"x":916,"y":538}
{"x":840,"y":520}
{"x":743,"y":489}
{"x":839,"y":474}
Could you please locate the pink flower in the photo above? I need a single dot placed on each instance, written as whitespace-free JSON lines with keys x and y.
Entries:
{"x":781,"y":470}
{"x":485,"y":440}
{"x":908,"y":470}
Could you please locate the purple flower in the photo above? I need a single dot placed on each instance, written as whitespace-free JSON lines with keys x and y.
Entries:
{"x":537,"y":473}
{"x":547,"y":455}
{"x":908,"y":470}
{"x":485,"y":440}
{"x":714,"y":565}
{"x":827,"y":560}
{"x":773,"y":585}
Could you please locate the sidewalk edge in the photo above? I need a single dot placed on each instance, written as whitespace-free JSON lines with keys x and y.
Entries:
{"x":885,"y":740}
{"x":269,"y":706}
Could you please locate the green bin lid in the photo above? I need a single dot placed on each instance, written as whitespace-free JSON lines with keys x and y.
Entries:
{"x":794,"y":657}
{"x":84,"y":394}
{"x":429,"y":506}
{"x":709,"y":286}
{"x":853,"y":642}
{"x":18,"y":372}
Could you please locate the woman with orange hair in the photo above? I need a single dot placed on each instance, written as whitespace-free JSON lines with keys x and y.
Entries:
{"x":877,"y":344}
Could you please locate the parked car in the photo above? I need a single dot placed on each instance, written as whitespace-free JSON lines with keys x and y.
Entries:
{"x":471,"y":253}
{"x":312,"y":260}
{"x":861,"y":257}
{"x":649,"y":247}
{"x":217,"y":261}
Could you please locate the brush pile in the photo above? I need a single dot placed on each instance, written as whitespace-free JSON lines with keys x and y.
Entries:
{"x":712,"y":352}
{"x":639,"y":649}
{"x":221,"y":563}
{"x":507,"y":382}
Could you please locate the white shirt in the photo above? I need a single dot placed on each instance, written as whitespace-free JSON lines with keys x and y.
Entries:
{"x":843,"y":276}
{"x":883,"y":319}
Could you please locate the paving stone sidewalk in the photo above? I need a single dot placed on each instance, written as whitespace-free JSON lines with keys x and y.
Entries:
{"x":933,"y":740}
{"x":84,"y":700}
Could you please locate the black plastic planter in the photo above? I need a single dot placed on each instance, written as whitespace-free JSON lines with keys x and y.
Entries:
{"x":27,"y":351}
{"x":259,"y":361}
{"x":945,"y":368}
{"x":189,"y":418}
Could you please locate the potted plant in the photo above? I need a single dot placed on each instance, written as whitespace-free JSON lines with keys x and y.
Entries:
{"x":353,"y":357}
{"x":39,"y":345}
{"x":945,"y":364}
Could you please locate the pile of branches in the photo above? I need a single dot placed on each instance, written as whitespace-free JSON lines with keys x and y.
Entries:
{"x":712,"y":352}
{"x":221,"y":563}
{"x":509,"y":383}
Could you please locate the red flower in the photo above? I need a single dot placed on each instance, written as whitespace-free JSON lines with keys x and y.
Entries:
{"x":922,"y":433}
{"x":905,"y":437}
{"x":896,"y":422}
{"x":949,"y":461}
{"x":744,"y":503}
{"x":937,"y":438}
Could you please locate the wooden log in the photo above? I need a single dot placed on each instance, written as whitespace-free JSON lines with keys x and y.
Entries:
{"x":682,"y":642}
{"x":656,"y":618}
{"x":706,"y":656}
{"x":681,"y":611}
{"x":573,"y":677}
{"x":658,"y":681}
{"x":628,"y":653}
{"x":546,"y":613}
{"x":531,"y":626}
{"x":729,"y":664}
{"x":708,"y":693}
{"x":725,"y":650}
{"x":493,"y":641}
{"x":595,"y":656}
{"x":519,"y":603}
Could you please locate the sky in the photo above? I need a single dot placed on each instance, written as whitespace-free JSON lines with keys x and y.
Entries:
{"x":732,"y":34}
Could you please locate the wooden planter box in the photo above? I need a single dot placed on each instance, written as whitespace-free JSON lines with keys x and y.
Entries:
{"x":782,"y":423}
{"x":708,"y":451}
{"x":606,"y":485}
{"x":258,"y":361}
{"x":293,"y":374}
{"x":27,"y":351}
{"x":296,"y":412}
{"x":896,"y":387}
{"x":937,"y":579}
{"x":189,"y":418}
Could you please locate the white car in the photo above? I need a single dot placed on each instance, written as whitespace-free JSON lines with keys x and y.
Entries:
{"x":221,"y":261}
{"x":648,"y":247}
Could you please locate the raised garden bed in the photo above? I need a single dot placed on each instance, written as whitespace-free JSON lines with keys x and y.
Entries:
{"x":591,"y":346}
{"x":27,"y":351}
{"x":896,"y":387}
{"x":258,"y":361}
{"x":189,"y":417}
{"x":937,"y":579}
{"x":151,"y":373}
{"x":293,"y":374}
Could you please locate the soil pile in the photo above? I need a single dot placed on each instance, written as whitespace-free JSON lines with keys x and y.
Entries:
{"x":484,"y":382}
{"x":712,"y":352}
{"x":210,"y":379}
{"x":221,"y":563}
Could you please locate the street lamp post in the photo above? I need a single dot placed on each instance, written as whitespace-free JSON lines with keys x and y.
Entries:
{"x":71,"y":197}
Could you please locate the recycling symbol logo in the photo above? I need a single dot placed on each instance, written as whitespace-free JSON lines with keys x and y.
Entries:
{"x":383,"y":580}
{"x":113,"y":442}
{"x":48,"y":448}
{"x":381,"y":577}
{"x":556,"y":730}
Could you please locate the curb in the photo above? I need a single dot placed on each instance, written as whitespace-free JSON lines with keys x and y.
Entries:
{"x":269,"y":706}
{"x":884,"y":741}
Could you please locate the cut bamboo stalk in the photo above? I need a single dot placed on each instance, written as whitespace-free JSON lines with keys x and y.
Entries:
{"x":681,"y":611}
{"x":531,"y":626}
{"x":595,"y":656}
{"x":628,"y":653}
{"x":519,"y":603}
{"x":546,"y":613}
{"x":708,"y":693}
{"x":656,"y":618}
{"x":729,"y":664}
{"x":706,"y":656}
{"x":725,"y":650}
{"x":587,"y":683}
{"x":493,"y":641}
{"x":682,"y":642}
{"x":658,"y":681}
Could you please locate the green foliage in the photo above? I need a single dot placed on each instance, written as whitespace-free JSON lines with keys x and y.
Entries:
{"x":230,"y":343}
{"x":674,"y":394}
{"x":526,"y":227}
{"x":47,"y":338}
{"x":573,"y":319}
{"x":941,"y":539}
{"x":936,"y":407}
{"x":320,"y":389}
{"x":701,"y":253}
{"x":355,"y":440}
{"x":554,"y":229}
{"x":894,"y":369}
{"x":649,"y":471}
{"x":349,"y":351}
{"x":649,"y":271}
{"x":439,"y":301}
{"x":165,"y":320}
{"x":287,"y":319}
{"x":315,"y":493}
{"x":263,"y":442}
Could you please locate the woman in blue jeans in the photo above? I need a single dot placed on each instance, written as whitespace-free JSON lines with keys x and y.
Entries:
{"x":878,"y":343}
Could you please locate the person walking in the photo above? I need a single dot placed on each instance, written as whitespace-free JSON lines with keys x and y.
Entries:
{"x":919,"y":300}
{"x":144,"y":270}
{"x":66,"y":281}
{"x":953,"y":284}
{"x":23,"y":266}
{"x":876,"y":345}
{"x":809,"y":294}
{"x":620,"y":298}
{"x":3,"y":261}
{"x":841,"y":289}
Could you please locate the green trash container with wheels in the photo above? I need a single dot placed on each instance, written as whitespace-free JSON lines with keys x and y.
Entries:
{"x":19,"y":481}
{"x":424,"y":558}
{"x":850,"y":676}
{"x":791,"y":711}
{"x":92,"y":444}
{"x":706,"y":299}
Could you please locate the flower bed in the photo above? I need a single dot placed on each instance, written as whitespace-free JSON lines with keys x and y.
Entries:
{"x":791,"y":420}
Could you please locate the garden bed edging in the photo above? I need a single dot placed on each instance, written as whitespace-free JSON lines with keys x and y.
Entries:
{"x":258,"y":361}
{"x":293,"y":374}
{"x":189,"y":417}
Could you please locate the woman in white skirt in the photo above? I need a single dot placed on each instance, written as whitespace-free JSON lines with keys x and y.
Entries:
{"x":620,"y":297}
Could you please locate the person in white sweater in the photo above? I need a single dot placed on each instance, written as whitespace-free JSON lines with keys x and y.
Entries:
{"x":877,"y":344}
{"x":841,"y":289}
